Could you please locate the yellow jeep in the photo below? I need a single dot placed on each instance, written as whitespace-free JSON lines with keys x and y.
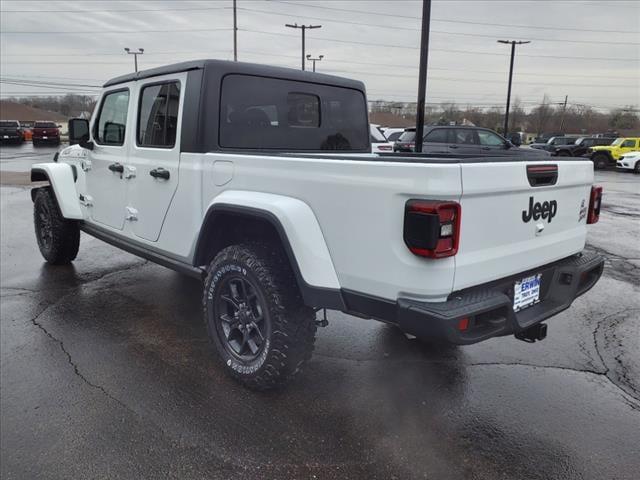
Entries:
{"x":603,"y":156}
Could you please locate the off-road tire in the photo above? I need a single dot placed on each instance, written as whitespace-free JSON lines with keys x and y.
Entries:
{"x":600,"y":161}
{"x":288,"y":342}
{"x":58,"y":238}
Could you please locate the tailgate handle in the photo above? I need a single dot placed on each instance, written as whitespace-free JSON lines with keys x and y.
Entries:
{"x":541,"y":175}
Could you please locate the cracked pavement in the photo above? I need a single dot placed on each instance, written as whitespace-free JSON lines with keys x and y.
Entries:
{"x":106,"y":372}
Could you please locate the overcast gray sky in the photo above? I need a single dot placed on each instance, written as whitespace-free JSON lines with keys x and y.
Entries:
{"x":588,"y":50}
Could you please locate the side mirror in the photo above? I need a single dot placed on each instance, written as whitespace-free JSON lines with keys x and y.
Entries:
{"x":508,"y":145}
{"x":79,"y":133}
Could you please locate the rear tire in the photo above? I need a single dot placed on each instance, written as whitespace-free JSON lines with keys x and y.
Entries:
{"x":600,"y":161}
{"x":563,"y":153}
{"x":255,"y":316}
{"x":58,"y":238}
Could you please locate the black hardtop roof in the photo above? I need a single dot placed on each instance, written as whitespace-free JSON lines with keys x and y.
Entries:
{"x":223,"y":67}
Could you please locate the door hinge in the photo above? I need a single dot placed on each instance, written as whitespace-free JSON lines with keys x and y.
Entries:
{"x":132,"y":214}
{"x":129,"y":172}
{"x":86,"y":200}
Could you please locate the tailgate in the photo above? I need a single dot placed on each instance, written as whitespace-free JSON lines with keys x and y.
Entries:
{"x":509,"y":226}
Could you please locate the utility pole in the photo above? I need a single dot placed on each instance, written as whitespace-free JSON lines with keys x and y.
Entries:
{"x":564,"y":110}
{"x":135,"y":55}
{"x":303,"y":27}
{"x":235,"y":33}
{"x":314,"y":60}
{"x":513,"y":53}
{"x":422,"y":78}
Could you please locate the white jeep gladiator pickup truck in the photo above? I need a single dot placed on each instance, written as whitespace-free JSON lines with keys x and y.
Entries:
{"x":260,"y":181}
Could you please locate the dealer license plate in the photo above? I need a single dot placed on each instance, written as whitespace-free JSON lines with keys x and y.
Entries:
{"x":526,"y":292}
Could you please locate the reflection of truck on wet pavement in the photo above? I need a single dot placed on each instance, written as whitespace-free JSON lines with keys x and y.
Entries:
{"x":260,"y":181}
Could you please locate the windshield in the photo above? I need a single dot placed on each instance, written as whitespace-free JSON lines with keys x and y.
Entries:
{"x":8,"y":124}
{"x":407,"y":136}
{"x":579,"y":141}
{"x":617,"y":142}
{"x":376,"y":135}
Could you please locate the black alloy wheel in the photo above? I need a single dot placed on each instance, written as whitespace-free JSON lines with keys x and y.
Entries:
{"x":243,"y":318}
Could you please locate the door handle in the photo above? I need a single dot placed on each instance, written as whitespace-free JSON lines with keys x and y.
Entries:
{"x":453,"y":146}
{"x":486,"y":148}
{"x":160,"y":173}
{"x":116,"y":167}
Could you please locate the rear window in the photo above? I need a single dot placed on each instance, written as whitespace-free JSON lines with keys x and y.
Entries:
{"x":394,"y":136}
{"x":6,"y":124}
{"x":45,"y":125}
{"x":268,"y":113}
{"x":407,"y":136}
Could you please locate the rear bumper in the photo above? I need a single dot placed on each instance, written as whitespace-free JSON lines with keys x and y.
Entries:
{"x":489,"y":308}
{"x":41,"y":139}
{"x":10,"y":137}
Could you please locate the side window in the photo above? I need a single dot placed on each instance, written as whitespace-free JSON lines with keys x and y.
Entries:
{"x":269,"y":113}
{"x":439,"y":135}
{"x":112,"y":119}
{"x":628,"y":144}
{"x":158,"y":115}
{"x":489,"y":139}
{"x":465,"y":136}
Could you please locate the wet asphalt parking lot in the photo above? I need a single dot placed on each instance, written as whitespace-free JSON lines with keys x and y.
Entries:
{"x":106,"y":372}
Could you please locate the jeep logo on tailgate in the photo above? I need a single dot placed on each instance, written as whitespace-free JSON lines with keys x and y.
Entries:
{"x":546,"y":210}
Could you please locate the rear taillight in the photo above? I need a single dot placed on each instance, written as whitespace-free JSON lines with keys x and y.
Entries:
{"x":594,"y":204}
{"x":432,"y":228}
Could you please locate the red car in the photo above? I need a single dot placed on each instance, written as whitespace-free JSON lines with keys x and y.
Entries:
{"x":45,"y":132}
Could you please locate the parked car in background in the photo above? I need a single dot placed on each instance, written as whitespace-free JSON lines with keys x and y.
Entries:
{"x":379,"y":142}
{"x":553,"y":143}
{"x":11,"y":132}
{"x":392,"y":134}
{"x":581,"y":146}
{"x":544,"y":138}
{"x":461,"y":140}
{"x":45,"y":132}
{"x":603,"y":156}
{"x":630,"y":161}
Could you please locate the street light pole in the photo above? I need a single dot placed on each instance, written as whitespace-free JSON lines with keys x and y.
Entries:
{"x":422,"y":78}
{"x":135,"y":55}
{"x":314,"y":60}
{"x":513,"y":53}
{"x":304,"y":28}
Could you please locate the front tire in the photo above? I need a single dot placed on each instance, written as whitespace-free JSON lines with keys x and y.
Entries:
{"x":58,"y":238}
{"x":600,"y":161}
{"x":255,"y":316}
{"x":636,"y":169}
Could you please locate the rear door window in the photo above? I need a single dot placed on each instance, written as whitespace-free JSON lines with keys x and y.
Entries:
{"x":268,"y":113}
{"x":158,"y":115}
{"x":111,"y":123}
{"x":439,"y":135}
{"x":464,"y":136}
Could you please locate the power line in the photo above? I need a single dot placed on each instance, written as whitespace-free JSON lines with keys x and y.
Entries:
{"x":409,"y":47}
{"x":414,"y":29}
{"x":387,"y":15}
{"x":118,"y":11}
{"x":112,"y":32}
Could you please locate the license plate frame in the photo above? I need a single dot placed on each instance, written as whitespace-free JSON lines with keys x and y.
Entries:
{"x":526,"y":292}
